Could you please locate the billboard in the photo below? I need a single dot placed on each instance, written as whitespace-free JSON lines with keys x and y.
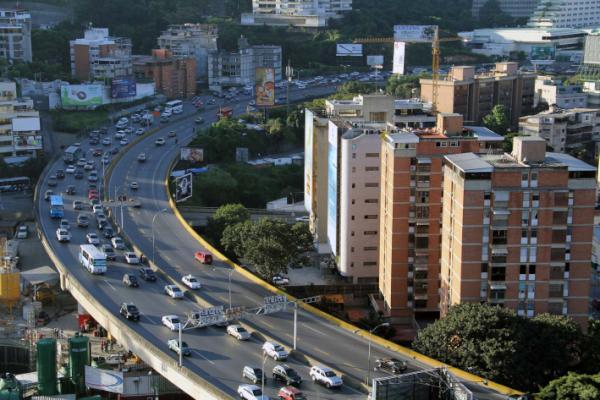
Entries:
{"x":183,"y":187}
{"x":265,"y":86}
{"x":191,"y":154}
{"x":348,"y":50}
{"x":591,"y":54}
{"x":308,"y":158}
{"x":399,"y":52}
{"x":414,"y":33}
{"x":332,"y":187}
{"x":104,"y":379}
{"x":375,"y":60}
{"x":123,"y":87}
{"x":26,"y":124}
{"x":542,"y":53}
{"x":28,"y":142}
{"x":81,"y":95}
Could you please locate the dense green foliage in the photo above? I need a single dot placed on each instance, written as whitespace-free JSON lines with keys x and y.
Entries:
{"x":32,"y":168}
{"x":497,"y":120}
{"x":78,"y":121}
{"x":492,"y":16}
{"x":228,"y":214}
{"x":495,"y":343}
{"x":572,"y":387}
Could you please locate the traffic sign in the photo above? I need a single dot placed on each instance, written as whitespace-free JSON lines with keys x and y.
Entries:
{"x":234,"y":313}
{"x":274,"y":304}
{"x":208,"y":316}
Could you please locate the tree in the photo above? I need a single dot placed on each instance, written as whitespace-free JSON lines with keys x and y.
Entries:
{"x":226,"y":215}
{"x":402,"y":85}
{"x":215,"y":187}
{"x":507,"y":143}
{"x":572,"y":387}
{"x":497,"y":120}
{"x":492,"y":16}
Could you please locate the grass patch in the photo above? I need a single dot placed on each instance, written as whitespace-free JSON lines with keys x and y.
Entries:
{"x":78,"y":121}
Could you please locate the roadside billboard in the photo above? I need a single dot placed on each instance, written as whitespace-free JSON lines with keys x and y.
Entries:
{"x":348,"y":50}
{"x":191,"y":154}
{"x":308,"y":158}
{"x":25,"y":124}
{"x":123,"y":87}
{"x":28,"y":142}
{"x":399,"y":52}
{"x":375,"y":60}
{"x":542,"y":53}
{"x":104,"y":379}
{"x":265,"y":86}
{"x":414,"y":33}
{"x":81,"y":95}
{"x":332,"y":188}
{"x":183,"y":187}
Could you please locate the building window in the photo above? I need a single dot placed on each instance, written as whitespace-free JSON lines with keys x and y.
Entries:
{"x":353,"y":155}
{"x":370,"y":248}
{"x":370,"y":216}
{"x":372,"y":184}
{"x":352,"y":218}
{"x":422,"y":197}
{"x":372,"y":155}
{"x":371,"y":168}
{"x":370,"y":232}
{"x":369,"y":263}
{"x":353,"y":185}
{"x":375,"y":201}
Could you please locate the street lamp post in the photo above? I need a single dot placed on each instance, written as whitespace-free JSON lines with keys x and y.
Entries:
{"x":369,"y":356}
{"x":118,"y":190}
{"x":153,"y":234}
{"x":229,"y":286}
{"x":262,"y":384}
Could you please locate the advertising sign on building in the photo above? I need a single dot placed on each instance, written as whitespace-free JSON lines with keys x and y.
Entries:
{"x":28,"y":142}
{"x":591,"y":54}
{"x":375,"y":60}
{"x":183,"y":187}
{"x":332,"y":188}
{"x":542,"y":53}
{"x":104,"y":379}
{"x":81,"y":95}
{"x":308,"y":158}
{"x":123,"y":87}
{"x":191,"y":154}
{"x":25,"y":124}
{"x":399,"y":51}
{"x":348,"y":50}
{"x":414,"y":33}
{"x":265,"y":86}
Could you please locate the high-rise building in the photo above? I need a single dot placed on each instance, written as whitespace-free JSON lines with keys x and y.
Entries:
{"x":514,"y":8}
{"x":15,"y":35}
{"x":191,"y":40}
{"x":307,"y":13}
{"x":590,"y":69}
{"x":474,"y":96}
{"x":410,"y":212}
{"x":517,"y":230}
{"x":553,"y":92}
{"x":100,"y":56}
{"x":175,"y":77}
{"x":566,"y":14}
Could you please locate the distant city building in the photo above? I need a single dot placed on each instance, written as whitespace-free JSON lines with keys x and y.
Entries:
{"x":191,"y":40}
{"x":239,"y":68}
{"x":566,"y":14}
{"x":98,"y":56}
{"x":517,"y":231}
{"x":175,"y":77}
{"x":549,"y":91}
{"x":590,"y":70}
{"x":15,"y":35}
{"x":474,"y":96}
{"x":575,"y":131}
{"x":514,"y":8}
{"x":306,"y":13}
{"x":20,"y":137}
{"x":410,"y":211}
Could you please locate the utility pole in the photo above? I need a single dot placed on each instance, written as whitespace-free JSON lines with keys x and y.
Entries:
{"x":289,"y":74}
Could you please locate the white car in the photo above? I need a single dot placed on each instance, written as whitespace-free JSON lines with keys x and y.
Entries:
{"x":64,"y":224}
{"x":238,"y":332}
{"x":160,"y":141}
{"x":173,"y":291}
{"x":131,"y":258}
{"x":134,"y":185}
{"x":325,"y":376}
{"x":117,"y":243}
{"x":141,"y":157}
{"x":139,"y":131}
{"x":98,"y":209}
{"x":63,"y":235}
{"x":106,"y":141}
{"x":191,"y":281}
{"x":251,"y":392}
{"x":70,"y":169}
{"x":89,"y":166}
{"x":124,"y":142}
{"x":280,"y":280}
{"x":92,"y":238}
{"x":275,"y":351}
{"x":172,"y":322}
{"x":22,"y":232}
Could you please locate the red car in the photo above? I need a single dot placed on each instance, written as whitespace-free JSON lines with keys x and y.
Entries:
{"x":97,"y":152}
{"x":290,"y":393}
{"x":92,"y":194}
{"x":203,"y":257}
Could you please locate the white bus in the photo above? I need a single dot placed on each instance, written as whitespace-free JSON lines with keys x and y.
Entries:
{"x":176,"y":106}
{"x":92,"y":259}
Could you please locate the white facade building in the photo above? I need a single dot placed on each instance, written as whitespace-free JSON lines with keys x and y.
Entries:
{"x":307,"y":13}
{"x":553,"y":92}
{"x":15,"y":35}
{"x":566,"y":14}
{"x":100,"y":56}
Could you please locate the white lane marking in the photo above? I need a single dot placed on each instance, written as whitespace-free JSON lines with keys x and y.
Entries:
{"x":313,"y":329}
{"x":149,"y":319}
{"x":201,"y":356}
{"x":109,"y":284}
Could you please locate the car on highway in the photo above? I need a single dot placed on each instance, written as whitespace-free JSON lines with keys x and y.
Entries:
{"x":172,"y":134}
{"x":199,"y":121}
{"x":130,"y":280}
{"x":52,"y":181}
{"x":83,"y":221}
{"x":131,"y":258}
{"x":286,"y":374}
{"x":98,"y":152}
{"x":251,"y":392}
{"x":238,"y":332}
{"x":105,"y":159}
{"x":124,"y":142}
{"x":128,"y":130}
{"x":191,"y":281}
{"x":77,"y":205}
{"x":275,"y":351}
{"x":114,"y":150}
{"x":280,"y":280}
{"x":89,"y":166}
{"x":81,"y":162}
{"x":108,"y":232}
{"x":171,"y":321}
{"x":70,"y":190}
{"x":129,"y":311}
{"x":139,"y":131}
{"x":117,"y":243}
{"x":141,"y":157}
{"x":70,"y":169}
{"x":160,"y":141}
{"x":134,"y":185}
{"x":93,"y":176}
{"x":60,"y":174}
{"x":108,"y":251}
{"x":63,"y":235}
{"x":78,"y":174}
{"x":92,"y":238}
{"x":290,"y":393}
{"x":64,"y":224}
{"x":47,"y":194}
{"x":93,"y":194}
{"x":94,"y":202}
{"x":325,"y":376}
{"x":173,"y":345}
{"x":98,"y":209}
{"x":147,"y":274}
{"x":203,"y":257}
{"x":253,"y":374}
{"x":391,"y":365}
{"x":173,"y":291}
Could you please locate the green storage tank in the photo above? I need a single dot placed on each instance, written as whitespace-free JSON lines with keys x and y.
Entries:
{"x":79,"y":357}
{"x":46,"y":366}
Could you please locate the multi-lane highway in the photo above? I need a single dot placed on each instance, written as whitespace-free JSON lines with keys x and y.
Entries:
{"x":216,"y":357}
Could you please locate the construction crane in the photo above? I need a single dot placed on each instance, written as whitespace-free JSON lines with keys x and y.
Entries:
{"x":435,"y":59}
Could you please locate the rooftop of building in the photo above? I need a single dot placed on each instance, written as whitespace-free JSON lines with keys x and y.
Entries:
{"x":558,"y":112}
{"x":415,"y":135}
{"x":529,"y":34}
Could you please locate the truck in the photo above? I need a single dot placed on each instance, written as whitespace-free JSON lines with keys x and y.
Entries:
{"x":57,"y":208}
{"x":224,"y":112}
{"x":72,"y":154}
{"x":92,"y":259}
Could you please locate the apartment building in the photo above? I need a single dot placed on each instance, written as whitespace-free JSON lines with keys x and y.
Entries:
{"x":191,"y":40}
{"x":15,"y":35}
{"x":410,"y":212}
{"x":100,"y":56}
{"x":517,"y":230}
{"x":575,"y":131}
{"x":474,"y":96}
{"x":590,"y":69}
{"x":20,"y":137}
{"x":305,"y":13}
{"x":566,"y":14}
{"x":175,"y":77}
{"x":553,"y":92}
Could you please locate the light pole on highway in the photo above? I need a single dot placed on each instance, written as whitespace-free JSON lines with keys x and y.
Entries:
{"x":229,"y":286}
{"x":262,"y":384}
{"x":289,"y":73}
{"x":117,"y":190}
{"x":154,"y":237}
{"x":369,"y":356}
